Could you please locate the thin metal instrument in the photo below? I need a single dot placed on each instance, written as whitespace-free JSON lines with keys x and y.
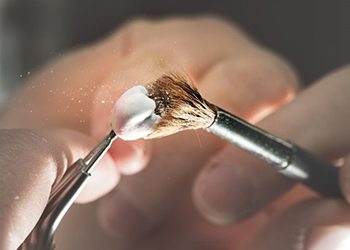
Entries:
{"x":63,"y":196}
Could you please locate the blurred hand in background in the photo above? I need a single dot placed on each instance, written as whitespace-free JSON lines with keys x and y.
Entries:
{"x":191,"y":173}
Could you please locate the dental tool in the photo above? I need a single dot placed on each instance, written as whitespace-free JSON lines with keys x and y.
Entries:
{"x":63,"y":196}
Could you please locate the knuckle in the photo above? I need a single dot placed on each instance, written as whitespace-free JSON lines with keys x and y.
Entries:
{"x":133,"y":33}
{"x":214,"y":22}
{"x":286,"y":77}
{"x":273,"y":70}
{"x":137,"y":24}
{"x":266,"y":75}
{"x":222,"y":26}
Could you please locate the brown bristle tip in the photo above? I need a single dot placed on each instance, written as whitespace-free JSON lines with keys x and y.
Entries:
{"x":179,"y":104}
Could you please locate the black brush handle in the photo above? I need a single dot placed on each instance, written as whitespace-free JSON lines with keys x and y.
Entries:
{"x":289,"y":159}
{"x":318,"y":174}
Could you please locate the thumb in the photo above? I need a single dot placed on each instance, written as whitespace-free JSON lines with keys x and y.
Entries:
{"x":31,"y":161}
{"x":235,"y":185}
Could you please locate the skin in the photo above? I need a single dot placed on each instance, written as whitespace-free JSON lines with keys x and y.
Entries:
{"x":27,"y":175}
{"x":194,"y":183}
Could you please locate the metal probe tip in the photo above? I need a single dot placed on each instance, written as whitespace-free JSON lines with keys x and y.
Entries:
{"x":100,"y":150}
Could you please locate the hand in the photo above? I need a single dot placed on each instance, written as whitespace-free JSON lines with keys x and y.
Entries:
{"x":31,"y":162}
{"x":153,"y":210}
{"x":234,"y":186}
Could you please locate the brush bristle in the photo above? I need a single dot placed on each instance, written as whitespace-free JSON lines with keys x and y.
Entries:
{"x":179,"y":105}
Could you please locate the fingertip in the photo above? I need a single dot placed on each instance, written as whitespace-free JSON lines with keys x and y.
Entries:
{"x":220,"y":194}
{"x":234,"y":185}
{"x":125,"y":158}
{"x":121,"y":216}
{"x":103,"y":177}
{"x":102,"y":180}
{"x":130,"y":157}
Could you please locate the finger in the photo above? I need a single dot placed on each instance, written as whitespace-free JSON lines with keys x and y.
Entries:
{"x":185,"y":40}
{"x":68,"y":85}
{"x":252,"y":85}
{"x":62,"y":94}
{"x":31,"y":162}
{"x":104,"y":177}
{"x":140,"y":201}
{"x":252,"y":96}
{"x":234,"y":185}
{"x":173,"y":45}
{"x":155,"y":52}
{"x":311,"y":225}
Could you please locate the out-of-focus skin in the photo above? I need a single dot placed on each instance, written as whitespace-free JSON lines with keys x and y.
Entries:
{"x":31,"y":161}
{"x":192,"y":173}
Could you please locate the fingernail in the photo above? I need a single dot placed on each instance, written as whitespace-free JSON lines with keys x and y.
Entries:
{"x":131,"y":157}
{"x":135,"y":164}
{"x":122,"y":217}
{"x":219,"y":192}
{"x":329,"y":237}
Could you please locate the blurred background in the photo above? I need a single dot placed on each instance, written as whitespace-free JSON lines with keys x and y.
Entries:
{"x":313,"y":35}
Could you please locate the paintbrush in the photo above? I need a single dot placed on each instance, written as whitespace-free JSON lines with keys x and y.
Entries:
{"x":171,"y":104}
